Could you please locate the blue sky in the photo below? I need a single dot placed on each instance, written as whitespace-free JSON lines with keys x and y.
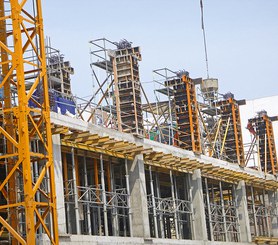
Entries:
{"x":242,"y":38}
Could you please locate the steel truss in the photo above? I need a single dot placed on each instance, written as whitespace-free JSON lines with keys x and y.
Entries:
{"x":28,"y":207}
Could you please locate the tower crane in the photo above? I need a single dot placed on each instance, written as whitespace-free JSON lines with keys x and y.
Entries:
{"x":27,"y":187}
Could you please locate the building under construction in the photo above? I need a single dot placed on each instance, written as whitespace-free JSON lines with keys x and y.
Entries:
{"x":122,"y":168}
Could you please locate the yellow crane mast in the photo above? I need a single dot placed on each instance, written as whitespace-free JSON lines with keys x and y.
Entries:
{"x":27,"y":187}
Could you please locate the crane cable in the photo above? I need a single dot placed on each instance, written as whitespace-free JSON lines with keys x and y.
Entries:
{"x":204,"y":36}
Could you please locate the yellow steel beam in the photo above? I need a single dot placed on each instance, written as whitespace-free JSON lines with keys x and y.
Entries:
{"x":28,"y":134}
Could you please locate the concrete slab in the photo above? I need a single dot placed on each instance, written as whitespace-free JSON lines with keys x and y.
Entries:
{"x":78,"y":124}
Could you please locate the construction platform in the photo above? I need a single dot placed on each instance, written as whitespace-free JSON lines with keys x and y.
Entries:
{"x":139,"y":191}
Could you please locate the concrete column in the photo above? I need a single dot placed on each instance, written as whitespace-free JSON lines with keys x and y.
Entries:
{"x":138,"y":198}
{"x":59,"y":184}
{"x":199,"y":216}
{"x":273,"y":201}
{"x":244,"y":222}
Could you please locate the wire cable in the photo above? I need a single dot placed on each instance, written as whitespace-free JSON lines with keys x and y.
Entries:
{"x":204,"y":36}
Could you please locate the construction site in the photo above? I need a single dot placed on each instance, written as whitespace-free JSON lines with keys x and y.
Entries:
{"x":124,"y":167}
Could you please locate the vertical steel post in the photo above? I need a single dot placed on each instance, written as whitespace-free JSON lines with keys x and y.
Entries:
{"x":209,"y":211}
{"x":174,"y":205}
{"x":76,"y":207}
{"x":161,"y":223}
{"x":66,"y":191}
{"x":89,"y":225}
{"x":223,"y":211}
{"x":266,"y":214}
{"x":128,"y":198}
{"x":254,"y":211}
{"x":235,"y":203}
{"x":188,"y":186}
{"x":104,"y":196}
{"x":115,"y":218}
{"x":153,"y":202}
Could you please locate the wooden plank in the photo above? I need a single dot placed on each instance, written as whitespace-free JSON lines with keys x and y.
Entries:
{"x":95,"y":149}
{"x":75,"y":135}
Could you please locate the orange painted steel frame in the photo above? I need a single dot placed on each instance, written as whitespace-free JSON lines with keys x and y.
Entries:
{"x":193,"y":114}
{"x":22,"y":124}
{"x":271,"y":144}
{"x":238,"y":141}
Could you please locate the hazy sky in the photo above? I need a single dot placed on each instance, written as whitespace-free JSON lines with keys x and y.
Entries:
{"x":242,"y":38}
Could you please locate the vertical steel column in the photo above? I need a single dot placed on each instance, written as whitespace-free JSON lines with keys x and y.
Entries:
{"x":174,"y":205}
{"x":128,"y":198}
{"x":254,"y":211}
{"x":8,"y":125}
{"x":187,"y":183}
{"x":209,"y":211}
{"x":161,"y":223}
{"x":235,"y":203}
{"x":26,"y":123}
{"x":266,"y":215}
{"x":115,"y":219}
{"x":153,"y":202}
{"x":76,"y":207}
{"x":66,"y":182}
{"x":223,"y":211}
{"x":36,"y":175}
{"x":98,"y":195}
{"x":103,"y":196}
{"x":89,"y":225}
{"x":177,"y":211}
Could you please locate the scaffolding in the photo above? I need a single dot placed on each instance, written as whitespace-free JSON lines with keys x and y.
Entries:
{"x":169,"y":206}
{"x":96,"y":191}
{"x":206,"y":122}
{"x":263,"y":211}
{"x":58,"y":71}
{"x":221,"y":211}
{"x":116,"y":102}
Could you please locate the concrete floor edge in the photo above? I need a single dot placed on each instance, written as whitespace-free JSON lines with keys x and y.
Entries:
{"x":108,"y":240}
